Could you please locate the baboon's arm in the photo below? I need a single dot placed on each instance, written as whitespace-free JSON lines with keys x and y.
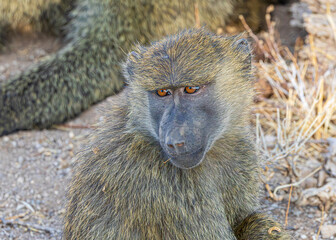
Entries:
{"x":259,"y":226}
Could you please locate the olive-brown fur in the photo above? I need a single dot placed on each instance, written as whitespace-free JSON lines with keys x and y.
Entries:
{"x":124,"y":188}
{"x":49,"y":16}
{"x":86,"y":69}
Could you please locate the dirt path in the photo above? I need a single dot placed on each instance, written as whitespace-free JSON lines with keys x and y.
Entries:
{"x":35,"y":167}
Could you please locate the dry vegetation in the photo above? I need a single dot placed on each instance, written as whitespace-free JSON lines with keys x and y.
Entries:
{"x":296,"y":120}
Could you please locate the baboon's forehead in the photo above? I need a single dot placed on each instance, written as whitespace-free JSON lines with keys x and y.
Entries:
{"x":193,"y":59}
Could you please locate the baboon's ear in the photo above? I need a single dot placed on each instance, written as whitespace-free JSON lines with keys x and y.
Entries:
{"x":129,"y":64}
{"x":243,"y":46}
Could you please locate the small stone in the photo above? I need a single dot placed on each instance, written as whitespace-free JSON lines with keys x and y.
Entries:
{"x":303,"y":236}
{"x":332,"y":146}
{"x":40,"y":150}
{"x":6,"y":139}
{"x":20,"y":180}
{"x":71,"y":134}
{"x":322,"y":176}
{"x":14,"y":144}
{"x":297,"y":213}
{"x":20,"y":159}
{"x":310,"y":183}
{"x":328,"y":231}
{"x":38,"y":145}
{"x":63,"y":163}
{"x":331,"y":166}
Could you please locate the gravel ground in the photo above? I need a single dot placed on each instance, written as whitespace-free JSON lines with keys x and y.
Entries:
{"x":36,"y":166}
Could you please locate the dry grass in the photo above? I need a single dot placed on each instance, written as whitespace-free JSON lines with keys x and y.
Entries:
{"x":293,"y":125}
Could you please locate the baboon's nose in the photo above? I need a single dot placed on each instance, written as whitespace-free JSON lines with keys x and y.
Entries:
{"x":175,"y":143}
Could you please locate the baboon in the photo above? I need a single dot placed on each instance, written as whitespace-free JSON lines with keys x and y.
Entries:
{"x":86,"y":70}
{"x":174,"y":158}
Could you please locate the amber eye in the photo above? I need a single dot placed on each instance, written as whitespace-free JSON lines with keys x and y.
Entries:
{"x":163,"y":92}
{"x":191,"y":90}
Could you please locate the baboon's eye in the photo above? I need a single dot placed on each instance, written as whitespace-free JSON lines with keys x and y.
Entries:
{"x":163,"y":92}
{"x":191,"y":90}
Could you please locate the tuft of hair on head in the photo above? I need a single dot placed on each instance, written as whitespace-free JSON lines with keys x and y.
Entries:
{"x":195,"y":55}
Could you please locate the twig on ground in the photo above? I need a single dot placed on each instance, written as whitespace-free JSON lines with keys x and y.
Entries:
{"x":289,"y":198}
{"x":295,"y":183}
{"x":30,"y":226}
{"x":322,"y":219}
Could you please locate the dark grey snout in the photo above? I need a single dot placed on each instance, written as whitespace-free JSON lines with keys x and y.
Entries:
{"x":183,"y":123}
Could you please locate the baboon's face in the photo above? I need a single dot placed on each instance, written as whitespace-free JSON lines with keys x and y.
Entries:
{"x":185,"y":119}
{"x":187,"y":91}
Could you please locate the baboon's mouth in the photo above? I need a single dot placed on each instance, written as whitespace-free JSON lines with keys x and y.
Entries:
{"x":187,"y":160}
